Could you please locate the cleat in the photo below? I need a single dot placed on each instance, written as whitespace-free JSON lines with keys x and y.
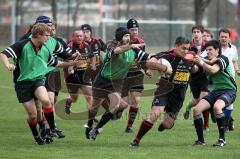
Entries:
{"x":186,"y":115}
{"x":134,"y":144}
{"x":220,"y":143}
{"x":67,"y":107}
{"x":87,"y":130}
{"x":39,"y":140}
{"x":129,"y":130}
{"x":93,"y":134}
{"x":45,"y":136}
{"x":199,"y":143}
{"x":161,"y":127}
{"x":57,"y":133}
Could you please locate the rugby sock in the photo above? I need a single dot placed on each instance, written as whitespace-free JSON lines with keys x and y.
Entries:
{"x":91,"y":117}
{"x":144,"y":128}
{"x":41,"y":124}
{"x":206,"y":118}
{"x":105,"y":118}
{"x":189,"y":107}
{"x":227,"y":114}
{"x":199,"y":127}
{"x":49,"y":115}
{"x":220,"y":122}
{"x":132,"y":116}
{"x":33,"y":126}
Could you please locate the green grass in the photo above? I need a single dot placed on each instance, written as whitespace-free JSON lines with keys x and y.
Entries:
{"x":16,"y":141}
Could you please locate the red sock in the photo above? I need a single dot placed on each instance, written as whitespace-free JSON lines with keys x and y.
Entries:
{"x":132,"y":116}
{"x":144,"y":128}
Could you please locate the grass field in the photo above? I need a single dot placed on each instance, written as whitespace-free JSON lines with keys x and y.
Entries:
{"x":16,"y":141}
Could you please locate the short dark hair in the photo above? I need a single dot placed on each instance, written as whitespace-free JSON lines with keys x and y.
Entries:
{"x":209,"y":32}
{"x":198,"y":27}
{"x":181,"y":40}
{"x":224,"y":30}
{"x":215,"y":44}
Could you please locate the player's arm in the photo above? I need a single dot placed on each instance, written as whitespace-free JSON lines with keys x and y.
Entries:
{"x":211,"y":68}
{"x":52,"y":61}
{"x":153,"y":64}
{"x":6,"y":62}
{"x":67,"y":53}
{"x":13,"y":51}
{"x":124,"y":48}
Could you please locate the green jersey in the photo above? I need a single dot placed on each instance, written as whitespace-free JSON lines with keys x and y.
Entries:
{"x":224,"y":78}
{"x":32,"y":64}
{"x":116,"y":66}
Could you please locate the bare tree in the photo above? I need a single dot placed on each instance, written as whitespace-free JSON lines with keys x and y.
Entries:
{"x":75,"y":13}
{"x":54,"y":10}
{"x":199,"y":9}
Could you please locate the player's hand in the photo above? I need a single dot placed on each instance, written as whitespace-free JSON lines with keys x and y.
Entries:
{"x":11,"y":67}
{"x":70,"y":70}
{"x":198,"y":60}
{"x":76,"y":54}
{"x":148,"y":73}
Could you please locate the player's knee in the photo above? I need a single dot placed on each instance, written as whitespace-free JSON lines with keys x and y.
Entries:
{"x":32,"y":116}
{"x":196,"y":111}
{"x":168,"y":123}
{"x":46,"y":103}
{"x":217,"y":110}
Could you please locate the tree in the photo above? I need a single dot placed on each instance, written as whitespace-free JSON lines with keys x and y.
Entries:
{"x":54,"y":10}
{"x":199,"y":9}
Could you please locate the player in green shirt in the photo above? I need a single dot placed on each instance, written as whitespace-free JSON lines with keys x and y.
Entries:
{"x":108,"y":84}
{"x":32,"y":59}
{"x":223,"y":91}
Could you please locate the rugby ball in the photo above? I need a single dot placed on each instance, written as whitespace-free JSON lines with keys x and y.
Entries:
{"x":165,"y":63}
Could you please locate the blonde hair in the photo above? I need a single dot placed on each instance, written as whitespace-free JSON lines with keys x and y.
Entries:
{"x":41,"y":29}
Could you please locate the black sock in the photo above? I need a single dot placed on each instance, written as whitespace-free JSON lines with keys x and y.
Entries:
{"x":33,"y":126}
{"x":144,"y":128}
{"x":41,"y":124}
{"x":221,"y":125}
{"x":199,"y":127}
{"x":49,"y":115}
{"x":91,"y":117}
{"x":105,"y":118}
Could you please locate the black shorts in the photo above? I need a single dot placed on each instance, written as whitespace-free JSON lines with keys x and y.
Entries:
{"x":78,"y":78}
{"x":102,"y":87}
{"x":228,"y":96}
{"x":197,"y":88}
{"x":133,"y":83}
{"x":53,"y":81}
{"x":25,"y":89}
{"x":172,"y":101}
{"x":93,"y":74}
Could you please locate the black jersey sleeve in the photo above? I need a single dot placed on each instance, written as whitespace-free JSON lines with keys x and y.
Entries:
{"x":222,"y":62}
{"x":110,"y":49}
{"x":52,"y":61}
{"x":141,"y":56}
{"x":61,"y":52}
{"x":14,"y":51}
